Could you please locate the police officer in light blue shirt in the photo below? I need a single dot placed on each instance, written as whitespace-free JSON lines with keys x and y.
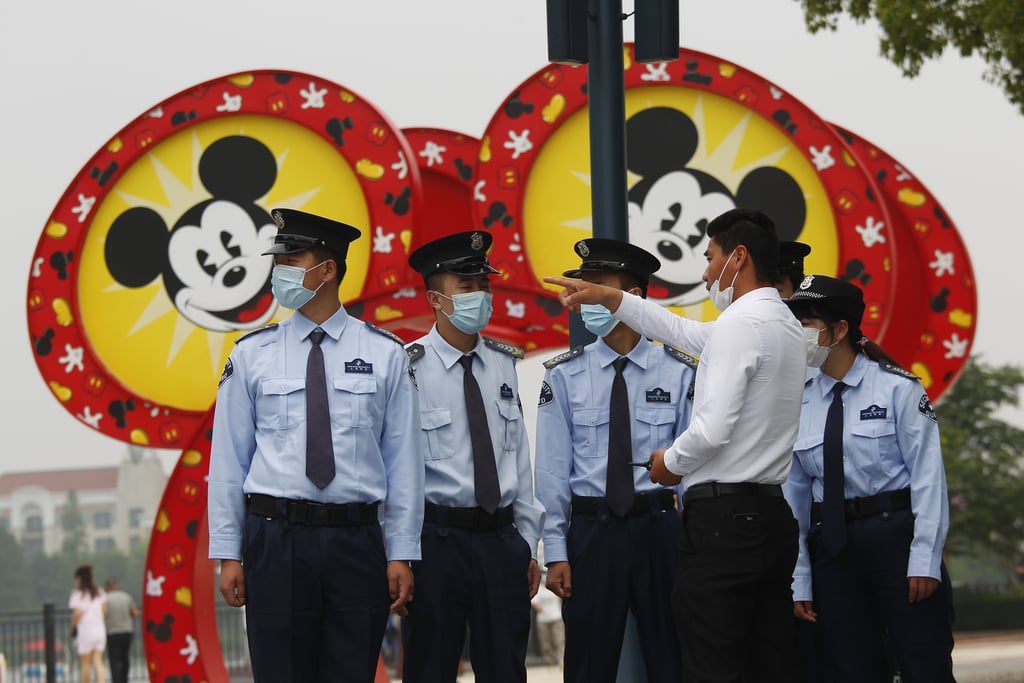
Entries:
{"x":481,"y":520}
{"x":303,"y":476}
{"x":868,"y":489}
{"x":602,"y":562}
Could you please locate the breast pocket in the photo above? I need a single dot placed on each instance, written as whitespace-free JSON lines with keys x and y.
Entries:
{"x":808,"y":452}
{"x":511,"y":423}
{"x":281,"y":404}
{"x":437,"y":428}
{"x":590,"y":432}
{"x":660,"y":427}
{"x":355,"y":402}
{"x":874,"y":445}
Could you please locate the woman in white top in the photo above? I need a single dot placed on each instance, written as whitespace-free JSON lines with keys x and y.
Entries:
{"x":89,"y":609}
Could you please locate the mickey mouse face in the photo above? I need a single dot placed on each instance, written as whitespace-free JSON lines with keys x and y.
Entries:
{"x":210,"y":260}
{"x":671,"y":205}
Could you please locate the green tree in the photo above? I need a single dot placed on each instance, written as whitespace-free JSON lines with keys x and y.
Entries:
{"x":15,"y":581}
{"x":73,"y":526}
{"x":914,"y":31}
{"x":984,"y":459}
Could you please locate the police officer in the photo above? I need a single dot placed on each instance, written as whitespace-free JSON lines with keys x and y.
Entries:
{"x":791,"y":267}
{"x":315,"y":439}
{"x":481,"y":520}
{"x":611,"y":535}
{"x":868,"y":489}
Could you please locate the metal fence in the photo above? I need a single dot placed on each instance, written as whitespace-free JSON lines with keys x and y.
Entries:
{"x":23,"y":647}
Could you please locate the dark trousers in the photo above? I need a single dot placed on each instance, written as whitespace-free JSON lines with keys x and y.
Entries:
{"x":733,"y":600}
{"x":621,"y":564}
{"x":119,"y":647}
{"x":479,"y":577}
{"x":863,"y":593}
{"x":316,"y":601}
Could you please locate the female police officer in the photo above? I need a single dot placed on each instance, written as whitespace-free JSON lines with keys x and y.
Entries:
{"x":869,"y":491}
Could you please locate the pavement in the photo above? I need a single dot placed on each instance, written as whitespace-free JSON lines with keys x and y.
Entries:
{"x":985,"y":657}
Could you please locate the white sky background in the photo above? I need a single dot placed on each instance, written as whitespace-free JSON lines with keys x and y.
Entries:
{"x":75,"y":73}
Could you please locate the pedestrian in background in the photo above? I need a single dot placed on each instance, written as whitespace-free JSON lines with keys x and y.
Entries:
{"x":868,"y":487}
{"x":120,"y":623}
{"x":88,"y":610}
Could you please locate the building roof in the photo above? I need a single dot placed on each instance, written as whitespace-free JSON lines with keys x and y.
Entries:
{"x":92,"y":479}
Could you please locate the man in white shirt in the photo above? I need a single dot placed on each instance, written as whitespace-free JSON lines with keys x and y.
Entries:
{"x":739,"y":540}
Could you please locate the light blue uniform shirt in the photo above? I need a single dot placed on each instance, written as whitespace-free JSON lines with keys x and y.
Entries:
{"x":573,"y":417}
{"x":259,"y":429}
{"x":890,"y":442}
{"x":446,"y":446}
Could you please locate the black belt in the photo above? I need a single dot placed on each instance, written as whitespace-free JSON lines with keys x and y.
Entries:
{"x":643,"y":503}
{"x":868,"y":506}
{"x":714,"y":489}
{"x":471,"y":519}
{"x":313,"y":514}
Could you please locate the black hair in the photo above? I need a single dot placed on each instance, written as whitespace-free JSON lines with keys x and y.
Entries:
{"x":322,"y":253}
{"x":753,"y":230}
{"x":84,"y":575}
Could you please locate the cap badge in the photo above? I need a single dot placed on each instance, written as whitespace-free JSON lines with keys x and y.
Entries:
{"x":476,"y":241}
{"x":279,"y":219}
{"x":583,"y":249}
{"x":806,"y":284}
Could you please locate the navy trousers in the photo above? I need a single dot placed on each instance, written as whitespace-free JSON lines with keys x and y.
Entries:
{"x":316,"y":601}
{"x":733,"y":600}
{"x":474,"y":577}
{"x":863,"y":593}
{"x":621,"y":564}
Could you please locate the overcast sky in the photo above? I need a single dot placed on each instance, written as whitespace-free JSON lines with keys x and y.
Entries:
{"x":75,"y":73}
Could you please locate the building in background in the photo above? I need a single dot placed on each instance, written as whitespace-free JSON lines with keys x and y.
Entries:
{"x":104,"y":508}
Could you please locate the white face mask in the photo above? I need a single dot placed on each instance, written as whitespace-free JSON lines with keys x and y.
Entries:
{"x":719,"y":297}
{"x":816,"y":354}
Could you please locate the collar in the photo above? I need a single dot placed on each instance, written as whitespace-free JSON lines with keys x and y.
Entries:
{"x":753,"y":296}
{"x":853,"y":377}
{"x":333,"y":326}
{"x":450,"y":355}
{"x":606,"y":355}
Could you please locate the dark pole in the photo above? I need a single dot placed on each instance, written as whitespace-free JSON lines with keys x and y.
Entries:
{"x":49,"y":636}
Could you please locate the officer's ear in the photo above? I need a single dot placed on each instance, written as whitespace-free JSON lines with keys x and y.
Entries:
{"x":839,"y":331}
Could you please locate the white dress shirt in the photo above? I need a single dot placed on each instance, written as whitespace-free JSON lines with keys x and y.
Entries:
{"x":746,"y":403}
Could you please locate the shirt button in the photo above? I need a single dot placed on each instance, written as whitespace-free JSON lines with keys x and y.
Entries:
{"x":282,"y":387}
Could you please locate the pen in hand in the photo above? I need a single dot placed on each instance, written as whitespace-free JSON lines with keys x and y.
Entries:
{"x":645,"y":465}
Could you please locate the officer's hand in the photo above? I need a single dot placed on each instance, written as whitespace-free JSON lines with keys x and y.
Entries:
{"x":232,"y":582}
{"x":400,"y":585}
{"x":560,"y":579}
{"x":533,"y":576}
{"x":921,"y":587}
{"x":804,"y":609}
{"x":661,"y":474}
{"x":578,"y":292}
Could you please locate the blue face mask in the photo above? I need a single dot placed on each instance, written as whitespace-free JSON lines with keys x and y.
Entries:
{"x":597,"y":319}
{"x":472,"y":310}
{"x":286,"y":283}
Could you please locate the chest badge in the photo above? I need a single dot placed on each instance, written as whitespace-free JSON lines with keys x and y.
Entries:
{"x":874,"y":412}
{"x":659,"y":395}
{"x":359,"y":366}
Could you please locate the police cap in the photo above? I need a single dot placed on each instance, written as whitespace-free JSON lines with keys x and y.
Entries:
{"x":791,"y":256}
{"x":298,"y":231}
{"x":600,"y":254}
{"x":842,"y":298}
{"x":463,"y":253}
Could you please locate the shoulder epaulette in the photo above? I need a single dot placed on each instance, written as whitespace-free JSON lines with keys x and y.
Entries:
{"x":896,"y":370}
{"x":387,"y":333}
{"x":682,"y":356}
{"x":562,"y":357}
{"x":510,"y":349}
{"x":255,"y":332}
{"x":415,"y":352}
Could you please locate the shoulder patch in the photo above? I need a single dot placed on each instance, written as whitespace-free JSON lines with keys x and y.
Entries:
{"x":924,"y":406}
{"x":896,"y":370}
{"x":562,"y":357}
{"x":255,"y":332}
{"x":501,"y":346}
{"x":387,"y":333}
{"x":415,"y":352}
{"x":229,"y":369}
{"x":682,"y":356}
{"x":546,"y":395}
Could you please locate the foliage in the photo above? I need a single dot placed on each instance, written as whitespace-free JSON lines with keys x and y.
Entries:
{"x":984,"y":459}
{"x":914,"y":31}
{"x":75,"y":536}
{"x":15,"y":580}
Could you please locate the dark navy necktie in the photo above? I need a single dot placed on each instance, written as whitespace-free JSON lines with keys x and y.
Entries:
{"x":619,"y":484}
{"x":833,"y":504}
{"x":485,"y":471}
{"x":319,"y":439}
